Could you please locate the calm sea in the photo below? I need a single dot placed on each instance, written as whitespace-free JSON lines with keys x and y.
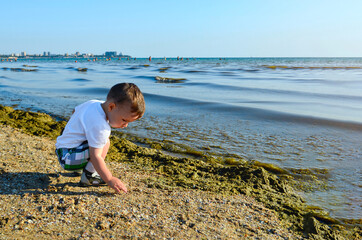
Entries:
{"x":297,"y":113}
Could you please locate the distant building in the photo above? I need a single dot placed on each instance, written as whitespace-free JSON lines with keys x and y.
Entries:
{"x":111,"y":54}
{"x":23,"y":54}
{"x":77,"y":54}
{"x":48,"y":54}
{"x":44,"y":54}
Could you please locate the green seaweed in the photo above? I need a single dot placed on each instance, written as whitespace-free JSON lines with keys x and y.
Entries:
{"x":224,"y":176}
{"x":232,"y":161}
{"x":309,"y":171}
{"x":310,"y":180}
{"x":270,"y":167}
{"x":39,"y":124}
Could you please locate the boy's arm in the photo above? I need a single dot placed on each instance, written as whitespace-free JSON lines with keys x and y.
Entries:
{"x":100,"y":166}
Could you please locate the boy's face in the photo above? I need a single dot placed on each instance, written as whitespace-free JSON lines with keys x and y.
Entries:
{"x":120,"y":115}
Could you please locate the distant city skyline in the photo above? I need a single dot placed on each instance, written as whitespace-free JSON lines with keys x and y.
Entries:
{"x":212,"y":28}
{"x":76,"y":54}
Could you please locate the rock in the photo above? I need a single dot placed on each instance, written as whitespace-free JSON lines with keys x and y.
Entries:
{"x":169,"y":80}
{"x":311,"y":225}
{"x":3,"y":221}
{"x":102,"y":225}
{"x":29,"y":66}
{"x":23,"y":70}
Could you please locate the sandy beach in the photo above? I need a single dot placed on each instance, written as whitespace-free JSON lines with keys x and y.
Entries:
{"x":38,"y":200}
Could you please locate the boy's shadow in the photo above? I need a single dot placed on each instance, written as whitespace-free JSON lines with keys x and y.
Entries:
{"x":18,"y":183}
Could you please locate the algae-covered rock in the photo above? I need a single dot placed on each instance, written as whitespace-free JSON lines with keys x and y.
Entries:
{"x":315,"y":229}
{"x":31,"y":66}
{"x":23,"y":70}
{"x":164,"y":69}
{"x":169,"y":80}
{"x":311,"y":225}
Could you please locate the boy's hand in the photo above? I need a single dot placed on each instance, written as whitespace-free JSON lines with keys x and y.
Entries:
{"x":117,"y":185}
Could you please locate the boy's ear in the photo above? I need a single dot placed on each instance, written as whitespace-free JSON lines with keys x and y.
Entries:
{"x":111,"y":106}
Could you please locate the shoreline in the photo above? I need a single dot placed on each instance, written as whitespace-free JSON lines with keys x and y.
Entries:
{"x":167,"y":174}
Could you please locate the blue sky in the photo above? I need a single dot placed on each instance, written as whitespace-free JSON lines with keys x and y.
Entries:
{"x":198,"y":28}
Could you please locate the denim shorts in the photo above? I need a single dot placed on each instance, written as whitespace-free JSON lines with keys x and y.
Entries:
{"x":73,"y":158}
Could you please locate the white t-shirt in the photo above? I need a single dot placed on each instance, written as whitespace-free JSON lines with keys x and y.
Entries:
{"x":88,"y":123}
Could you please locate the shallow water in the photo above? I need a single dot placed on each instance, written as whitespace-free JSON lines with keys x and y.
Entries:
{"x":301,"y":113}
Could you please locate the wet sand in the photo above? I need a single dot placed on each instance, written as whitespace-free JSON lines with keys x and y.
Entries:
{"x":39,"y":200}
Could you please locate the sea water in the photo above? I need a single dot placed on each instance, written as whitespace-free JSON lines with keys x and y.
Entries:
{"x":296,"y":113}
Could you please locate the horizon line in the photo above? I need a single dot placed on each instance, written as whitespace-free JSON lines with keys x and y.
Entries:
{"x":184,"y":57}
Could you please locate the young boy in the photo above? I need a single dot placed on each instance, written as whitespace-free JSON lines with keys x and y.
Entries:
{"x":84,"y":142}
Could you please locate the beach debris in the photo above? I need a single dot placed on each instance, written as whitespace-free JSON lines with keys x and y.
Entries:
{"x":169,"y":80}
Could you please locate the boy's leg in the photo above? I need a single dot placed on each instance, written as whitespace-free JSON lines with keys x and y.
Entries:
{"x":90,"y":175}
{"x":90,"y":166}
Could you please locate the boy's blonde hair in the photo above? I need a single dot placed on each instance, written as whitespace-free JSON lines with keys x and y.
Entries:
{"x":128,"y":92}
